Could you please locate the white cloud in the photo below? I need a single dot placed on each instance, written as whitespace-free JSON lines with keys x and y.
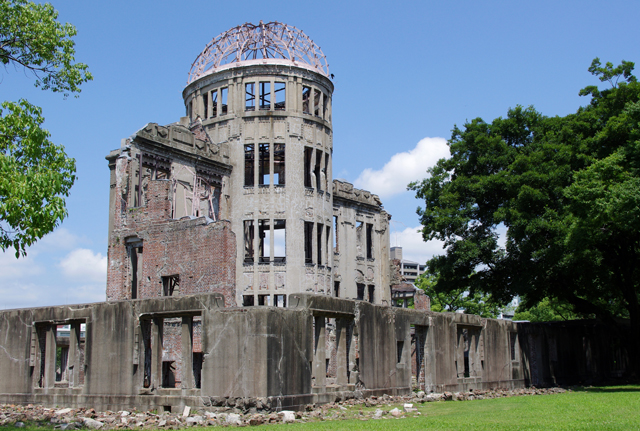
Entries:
{"x":403,"y":168}
{"x":413,"y":246}
{"x":84,"y":264}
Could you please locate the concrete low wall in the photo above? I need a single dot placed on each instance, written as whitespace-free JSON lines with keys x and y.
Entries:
{"x":251,"y":357}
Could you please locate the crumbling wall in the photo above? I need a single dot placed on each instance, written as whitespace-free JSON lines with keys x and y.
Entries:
{"x":201,"y":254}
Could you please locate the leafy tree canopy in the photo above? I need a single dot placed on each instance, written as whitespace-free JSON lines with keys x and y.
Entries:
{"x":567,"y":190}
{"x":35,"y":174}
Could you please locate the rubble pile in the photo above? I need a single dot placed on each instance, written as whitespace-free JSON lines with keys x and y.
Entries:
{"x":244,"y":412}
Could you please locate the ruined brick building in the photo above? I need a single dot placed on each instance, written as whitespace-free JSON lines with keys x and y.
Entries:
{"x":240,"y":273}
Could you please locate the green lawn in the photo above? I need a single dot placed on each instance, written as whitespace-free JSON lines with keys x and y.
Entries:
{"x":605,"y":408}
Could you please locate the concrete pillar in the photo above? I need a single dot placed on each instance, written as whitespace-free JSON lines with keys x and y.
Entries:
{"x":319,"y":353}
{"x":187,"y":353}
{"x":50,"y":357}
{"x":341,"y":351}
{"x":73,"y":363}
{"x":157,"y":324}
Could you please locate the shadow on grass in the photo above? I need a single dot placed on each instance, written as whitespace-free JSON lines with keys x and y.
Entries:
{"x":607,"y":389}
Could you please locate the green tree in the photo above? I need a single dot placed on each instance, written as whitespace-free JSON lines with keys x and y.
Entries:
{"x":457,"y":300}
{"x":567,"y":191}
{"x":35,"y":174}
{"x":546,"y":310}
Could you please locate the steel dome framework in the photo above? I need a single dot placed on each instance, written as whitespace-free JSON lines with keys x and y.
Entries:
{"x":249,"y":42}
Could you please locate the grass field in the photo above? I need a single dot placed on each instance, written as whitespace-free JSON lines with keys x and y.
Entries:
{"x":604,"y":408}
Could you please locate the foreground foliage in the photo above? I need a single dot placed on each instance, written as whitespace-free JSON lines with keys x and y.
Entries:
{"x":567,"y":190}
{"x":35,"y":174}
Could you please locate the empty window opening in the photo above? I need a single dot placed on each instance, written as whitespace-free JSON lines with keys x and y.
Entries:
{"x":306,"y":98}
{"x":319,"y":243}
{"x":264,"y":299}
{"x":308,"y":242}
{"x":280,"y":300}
{"x":198,"y":358}
{"x":372,"y":290}
{"x":336,"y":289}
{"x":264,"y":177}
{"x":327,"y":242}
{"x":205,"y":103}
{"x":223,"y":99}
{"x":317,"y":170}
{"x":250,"y":97}
{"x":145,"y":326}
{"x":134,"y":249}
{"x":278,"y":164}
{"x":336,"y":242}
{"x":280,"y":93}
{"x":308,"y":152}
{"x":265,"y":95}
{"x":264,"y":238}
{"x":248,"y":241}
{"x":247,"y":301}
{"x":214,"y":103}
{"x":316,"y":102}
{"x":325,"y":174}
{"x":325,"y":100}
{"x":359,"y":239}
{"x":171,"y":285}
{"x":249,"y":157}
{"x":464,"y":344}
{"x":279,"y":241}
{"x":360,"y":292}
{"x":62,"y":363}
{"x":399,"y":350}
{"x":169,"y":374}
{"x":369,"y":241}
{"x":513,"y":338}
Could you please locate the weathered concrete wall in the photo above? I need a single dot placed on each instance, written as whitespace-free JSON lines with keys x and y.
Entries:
{"x":278,"y":354}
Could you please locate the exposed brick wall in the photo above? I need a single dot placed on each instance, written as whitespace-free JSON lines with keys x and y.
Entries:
{"x":421,"y":301}
{"x":203,"y":255}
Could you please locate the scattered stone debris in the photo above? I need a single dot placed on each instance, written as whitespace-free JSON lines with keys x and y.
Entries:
{"x":71,"y":419}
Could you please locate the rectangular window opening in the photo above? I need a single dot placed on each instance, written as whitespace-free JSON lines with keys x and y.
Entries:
{"x":248,"y":241}
{"x":169,"y":372}
{"x":134,"y":249}
{"x":264,"y":300}
{"x":399,"y":349}
{"x":360,"y":288}
{"x":247,"y":301}
{"x":278,"y":164}
{"x":171,"y":285}
{"x":372,"y":290}
{"x":336,"y":242}
{"x":279,"y":241}
{"x":359,"y":239}
{"x":308,"y":242}
{"x":249,"y":166}
{"x":62,"y":363}
{"x":264,"y":174}
{"x":306,"y":98}
{"x":197,"y":360}
{"x":329,"y":258}
{"x":324,"y":106}
{"x":250,"y":97}
{"x":224,"y":92}
{"x":317,"y":170}
{"x":308,"y":152}
{"x":264,"y":237}
{"x":316,"y":102}
{"x":205,"y":103}
{"x":280,"y":300}
{"x":513,"y":337}
{"x":214,"y":103}
{"x":319,"y":243}
{"x":336,"y":289}
{"x":265,"y":95}
{"x":369,"y":241}
{"x":280,"y":93}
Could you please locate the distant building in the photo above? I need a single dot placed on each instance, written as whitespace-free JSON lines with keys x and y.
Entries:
{"x":409,"y":269}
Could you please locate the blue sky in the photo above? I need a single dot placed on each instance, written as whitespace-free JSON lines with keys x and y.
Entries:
{"x":405,"y":73}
